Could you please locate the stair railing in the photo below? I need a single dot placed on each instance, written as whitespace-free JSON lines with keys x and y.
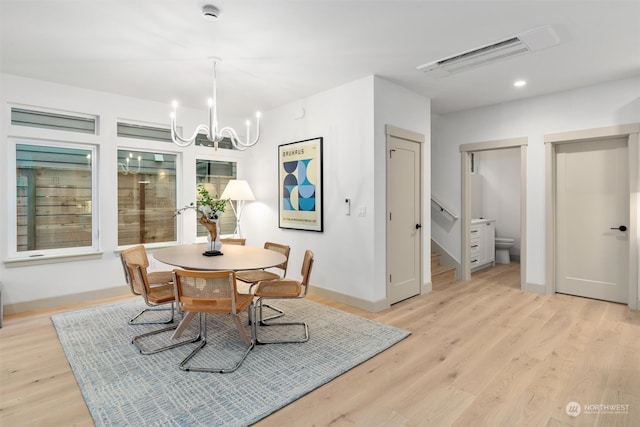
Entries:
{"x":443,"y":209}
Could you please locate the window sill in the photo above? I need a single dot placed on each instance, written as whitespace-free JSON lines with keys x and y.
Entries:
{"x":149,"y":247}
{"x":50,"y":259}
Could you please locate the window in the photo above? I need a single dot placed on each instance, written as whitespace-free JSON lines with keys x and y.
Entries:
{"x":54,"y":120}
{"x":146,"y":197}
{"x":132,"y":130}
{"x":56,"y":204}
{"x":217,"y":174}
{"x":202,"y":140}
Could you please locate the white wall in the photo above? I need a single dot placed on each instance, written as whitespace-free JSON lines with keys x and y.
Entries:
{"x":343,"y":117}
{"x":29,"y":283}
{"x":350,"y":253}
{"x":606,"y":104}
{"x":500,"y":170}
{"x":404,"y":109}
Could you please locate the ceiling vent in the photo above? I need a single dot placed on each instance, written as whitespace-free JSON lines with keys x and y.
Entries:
{"x":529,"y":41}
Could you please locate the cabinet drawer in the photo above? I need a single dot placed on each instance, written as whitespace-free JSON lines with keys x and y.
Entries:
{"x":475,"y":250}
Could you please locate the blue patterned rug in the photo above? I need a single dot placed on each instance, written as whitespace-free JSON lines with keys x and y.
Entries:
{"x":124,"y":388}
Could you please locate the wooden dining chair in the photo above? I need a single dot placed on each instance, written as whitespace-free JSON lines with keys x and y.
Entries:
{"x":252,"y":277}
{"x":157,"y":294}
{"x":282,"y":289}
{"x":160,"y":293}
{"x":212,"y":292}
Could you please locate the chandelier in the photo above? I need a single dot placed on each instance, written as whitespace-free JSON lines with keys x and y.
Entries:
{"x":212,"y":132}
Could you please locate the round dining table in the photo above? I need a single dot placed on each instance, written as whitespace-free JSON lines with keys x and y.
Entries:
{"x":234,"y":257}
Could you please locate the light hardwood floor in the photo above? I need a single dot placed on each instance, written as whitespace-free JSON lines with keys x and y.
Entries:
{"x":481,"y":353}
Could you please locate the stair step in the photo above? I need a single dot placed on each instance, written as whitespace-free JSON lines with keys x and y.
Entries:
{"x":442,"y":269}
{"x":442,"y":275}
{"x":435,"y":260}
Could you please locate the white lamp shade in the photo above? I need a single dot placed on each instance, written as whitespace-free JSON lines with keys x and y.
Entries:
{"x":237,"y":189}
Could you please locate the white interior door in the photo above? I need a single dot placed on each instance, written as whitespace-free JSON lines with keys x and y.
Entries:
{"x":403,"y":219}
{"x":592,"y":190}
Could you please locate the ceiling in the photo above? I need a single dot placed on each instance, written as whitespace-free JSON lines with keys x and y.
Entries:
{"x":275,"y":52}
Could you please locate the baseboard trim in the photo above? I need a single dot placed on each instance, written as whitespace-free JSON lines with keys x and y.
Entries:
{"x":372,"y":307}
{"x":426,"y":288}
{"x":47,"y":303}
{"x":536,"y":287}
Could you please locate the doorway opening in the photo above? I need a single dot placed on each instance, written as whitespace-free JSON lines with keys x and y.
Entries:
{"x":475,"y":150}
{"x":495,"y":210}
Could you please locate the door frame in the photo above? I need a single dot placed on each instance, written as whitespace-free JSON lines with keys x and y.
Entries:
{"x":418,"y":138}
{"x":632,"y":133}
{"x":465,"y":152}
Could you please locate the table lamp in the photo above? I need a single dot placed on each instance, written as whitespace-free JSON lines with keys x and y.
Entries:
{"x":237,"y":190}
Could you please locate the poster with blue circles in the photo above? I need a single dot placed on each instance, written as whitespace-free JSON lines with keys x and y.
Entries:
{"x":300,"y":185}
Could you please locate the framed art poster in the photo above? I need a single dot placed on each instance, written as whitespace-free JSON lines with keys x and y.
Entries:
{"x":300,"y":185}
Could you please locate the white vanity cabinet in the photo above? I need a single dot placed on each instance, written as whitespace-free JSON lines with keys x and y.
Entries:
{"x":483,"y":243}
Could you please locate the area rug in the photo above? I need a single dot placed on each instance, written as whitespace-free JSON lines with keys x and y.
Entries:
{"x":121,"y":387}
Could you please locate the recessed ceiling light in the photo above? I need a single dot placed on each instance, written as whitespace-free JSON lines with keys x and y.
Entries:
{"x":520,"y":83}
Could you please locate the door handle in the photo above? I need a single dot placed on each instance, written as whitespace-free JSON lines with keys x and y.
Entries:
{"x":418,"y":226}
{"x":621,"y":228}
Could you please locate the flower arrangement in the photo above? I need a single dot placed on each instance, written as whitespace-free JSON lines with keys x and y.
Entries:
{"x":208,"y":206}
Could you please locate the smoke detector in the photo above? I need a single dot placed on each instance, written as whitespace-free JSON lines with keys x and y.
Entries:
{"x":526,"y":42}
{"x":210,"y":12}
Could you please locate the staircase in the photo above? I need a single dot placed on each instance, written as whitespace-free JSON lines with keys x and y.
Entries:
{"x":441,"y":275}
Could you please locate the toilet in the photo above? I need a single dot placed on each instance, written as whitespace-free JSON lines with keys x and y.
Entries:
{"x":503,"y":244}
